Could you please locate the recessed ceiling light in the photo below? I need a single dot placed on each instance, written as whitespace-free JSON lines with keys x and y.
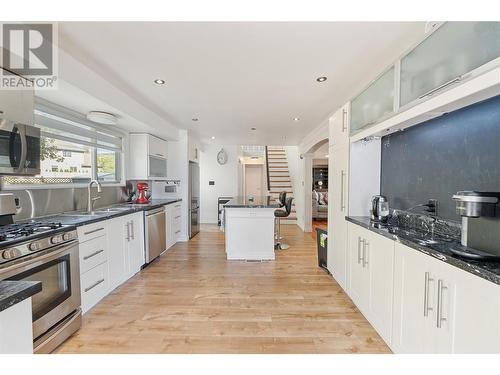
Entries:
{"x":253,"y":128}
{"x":296,"y":119}
{"x":321,"y":79}
{"x":195,"y":119}
{"x":326,"y":155}
{"x":212,"y":137}
{"x":102,"y":117}
{"x":159,"y":81}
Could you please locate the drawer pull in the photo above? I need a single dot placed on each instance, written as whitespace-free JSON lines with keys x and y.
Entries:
{"x":177,"y":217}
{"x":93,"y":254}
{"x":93,"y":231}
{"x":178,"y":232}
{"x":94,"y":285}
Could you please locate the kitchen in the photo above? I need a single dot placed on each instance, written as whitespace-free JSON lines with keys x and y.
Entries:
{"x":109,"y":240}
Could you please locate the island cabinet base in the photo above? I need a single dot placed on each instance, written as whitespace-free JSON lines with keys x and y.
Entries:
{"x":249,"y":233}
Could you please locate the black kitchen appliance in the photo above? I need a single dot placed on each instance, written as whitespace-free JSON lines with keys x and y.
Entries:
{"x":480,"y":237}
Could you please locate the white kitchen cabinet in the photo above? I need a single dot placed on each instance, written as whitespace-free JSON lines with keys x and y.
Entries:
{"x":126,"y":248}
{"x":371,"y":259}
{"x":17,"y":105}
{"x":441,"y":60}
{"x":173,"y":223}
{"x":338,"y":181}
{"x":339,"y":126}
{"x":147,"y":157}
{"x":374,"y":103}
{"x":439,"y":308}
{"x":94,"y":286}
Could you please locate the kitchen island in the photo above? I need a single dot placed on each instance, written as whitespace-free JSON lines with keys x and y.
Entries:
{"x":249,"y":228}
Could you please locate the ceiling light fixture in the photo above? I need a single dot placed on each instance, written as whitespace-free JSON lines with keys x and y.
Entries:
{"x":326,"y":155}
{"x":100,"y":117}
{"x":321,"y":79}
{"x":159,"y":81}
{"x":296,"y":119}
{"x":212,"y":137}
{"x":253,"y":128}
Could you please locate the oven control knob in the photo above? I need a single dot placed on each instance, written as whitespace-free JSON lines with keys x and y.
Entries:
{"x":10,"y":254}
{"x":34,"y":246}
{"x":56,"y":239}
{"x":67,"y":236}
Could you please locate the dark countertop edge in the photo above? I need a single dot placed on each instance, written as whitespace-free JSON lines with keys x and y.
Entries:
{"x":251,"y":206}
{"x":13,"y":292}
{"x":459,"y":263}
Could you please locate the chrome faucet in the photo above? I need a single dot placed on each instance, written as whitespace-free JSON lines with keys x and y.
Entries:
{"x":90,"y":201}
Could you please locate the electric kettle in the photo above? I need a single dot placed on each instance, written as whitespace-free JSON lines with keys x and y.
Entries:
{"x":379,"y":211}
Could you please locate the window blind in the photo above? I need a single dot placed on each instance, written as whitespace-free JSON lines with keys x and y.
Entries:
{"x":67,"y":125}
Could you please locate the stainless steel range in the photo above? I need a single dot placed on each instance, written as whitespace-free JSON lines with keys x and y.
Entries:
{"x":47,"y":252}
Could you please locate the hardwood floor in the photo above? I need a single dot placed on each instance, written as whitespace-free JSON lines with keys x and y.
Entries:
{"x":194,"y":301}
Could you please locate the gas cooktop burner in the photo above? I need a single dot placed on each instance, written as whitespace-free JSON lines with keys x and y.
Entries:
{"x":15,"y":231}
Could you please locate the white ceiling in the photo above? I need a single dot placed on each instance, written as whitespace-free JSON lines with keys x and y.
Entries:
{"x":234,"y":76}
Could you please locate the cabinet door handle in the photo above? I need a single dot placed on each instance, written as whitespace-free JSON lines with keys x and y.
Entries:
{"x":344,"y":120}
{"x":439,"y":311}
{"x":132,"y":235}
{"x":128,"y":231}
{"x":342,"y":178}
{"x":93,"y":254}
{"x":427,"y":280}
{"x":178,"y":231}
{"x":177,"y":217}
{"x":446,"y":84}
{"x":93,"y":231}
{"x":360,"y":240}
{"x":366,"y":245}
{"x":94,"y":285}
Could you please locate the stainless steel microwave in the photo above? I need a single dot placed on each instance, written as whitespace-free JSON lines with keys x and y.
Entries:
{"x":19,"y":149}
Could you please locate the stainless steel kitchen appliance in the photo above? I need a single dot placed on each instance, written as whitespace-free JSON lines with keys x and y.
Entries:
{"x":379,"y":211}
{"x":19,"y":149}
{"x":43,"y":251}
{"x":480,"y":237}
{"x":155,"y":233}
{"x":194,"y":199}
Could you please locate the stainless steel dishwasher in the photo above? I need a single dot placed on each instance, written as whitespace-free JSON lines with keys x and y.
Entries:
{"x":155,"y":233}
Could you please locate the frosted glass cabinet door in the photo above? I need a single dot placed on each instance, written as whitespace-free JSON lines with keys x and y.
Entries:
{"x":373,"y":103}
{"x":452,"y":50}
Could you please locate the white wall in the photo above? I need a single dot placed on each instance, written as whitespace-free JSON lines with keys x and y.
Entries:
{"x":226,"y":179}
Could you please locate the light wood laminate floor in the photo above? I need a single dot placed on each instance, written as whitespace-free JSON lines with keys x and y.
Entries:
{"x":192,"y":300}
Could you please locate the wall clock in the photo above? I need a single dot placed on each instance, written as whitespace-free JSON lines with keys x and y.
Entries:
{"x":222,"y":157}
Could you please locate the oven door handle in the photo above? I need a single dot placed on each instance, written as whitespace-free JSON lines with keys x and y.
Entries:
{"x":36,"y":260}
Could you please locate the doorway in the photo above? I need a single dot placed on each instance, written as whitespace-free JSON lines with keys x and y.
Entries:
{"x":254,"y":180}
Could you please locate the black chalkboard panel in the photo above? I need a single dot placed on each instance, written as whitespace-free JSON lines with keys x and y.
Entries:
{"x":457,"y":151}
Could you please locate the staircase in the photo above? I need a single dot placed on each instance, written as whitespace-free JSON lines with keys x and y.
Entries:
{"x":279,"y":177}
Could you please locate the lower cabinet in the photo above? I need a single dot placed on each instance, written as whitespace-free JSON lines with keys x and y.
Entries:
{"x":111,"y":251}
{"x":439,"y":308}
{"x":371,"y":260}
{"x":173,"y":223}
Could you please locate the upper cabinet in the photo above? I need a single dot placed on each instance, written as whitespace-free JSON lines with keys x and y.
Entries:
{"x":374,"y":103}
{"x":18,"y":105}
{"x":148,"y":157}
{"x":442,"y":59}
{"x":339,"y":126}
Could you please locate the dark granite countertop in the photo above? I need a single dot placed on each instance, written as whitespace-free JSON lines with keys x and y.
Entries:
{"x":256,"y":202}
{"x":73,"y":218}
{"x":436,"y":245}
{"x":12,"y":292}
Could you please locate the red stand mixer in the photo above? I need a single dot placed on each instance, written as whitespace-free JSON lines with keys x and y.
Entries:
{"x":142,"y":187}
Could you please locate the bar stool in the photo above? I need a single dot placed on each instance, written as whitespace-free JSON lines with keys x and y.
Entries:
{"x":282,"y":214}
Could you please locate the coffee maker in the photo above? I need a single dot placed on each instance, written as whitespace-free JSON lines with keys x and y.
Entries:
{"x":480,"y":237}
{"x":379,"y":211}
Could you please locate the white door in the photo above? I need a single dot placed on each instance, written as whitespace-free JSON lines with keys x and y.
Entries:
{"x":254,"y":178}
{"x":337,"y":210}
{"x":117,"y":251}
{"x":135,"y":242}
{"x":379,"y":259}
{"x":414,"y":304}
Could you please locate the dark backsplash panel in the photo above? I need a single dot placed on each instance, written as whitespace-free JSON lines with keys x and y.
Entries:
{"x":457,"y":151}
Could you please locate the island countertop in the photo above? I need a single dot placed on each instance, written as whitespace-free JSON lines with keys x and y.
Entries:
{"x":256,"y":202}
